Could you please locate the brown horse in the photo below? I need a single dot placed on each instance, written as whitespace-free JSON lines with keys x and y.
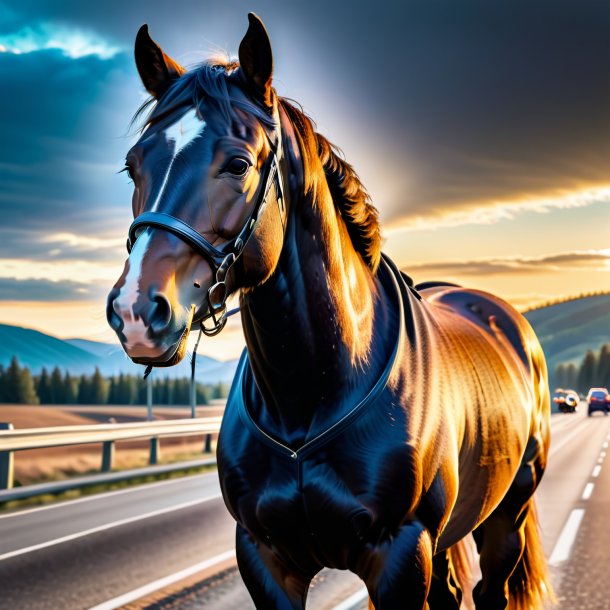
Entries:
{"x":371,"y":425}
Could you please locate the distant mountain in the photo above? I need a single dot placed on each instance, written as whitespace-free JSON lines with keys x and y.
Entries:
{"x":36,"y":350}
{"x":567,"y":330}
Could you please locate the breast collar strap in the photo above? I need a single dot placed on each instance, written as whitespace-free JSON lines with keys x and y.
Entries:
{"x":244,"y":371}
{"x":223,"y":258}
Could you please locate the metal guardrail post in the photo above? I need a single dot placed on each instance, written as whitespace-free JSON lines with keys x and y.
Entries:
{"x":7,"y":463}
{"x":207,"y":445}
{"x":155,"y":451}
{"x":107,"y":456}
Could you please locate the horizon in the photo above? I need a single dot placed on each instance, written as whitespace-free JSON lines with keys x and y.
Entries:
{"x":481,"y":132}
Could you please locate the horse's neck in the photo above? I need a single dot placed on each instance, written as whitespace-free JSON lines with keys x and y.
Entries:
{"x":310,"y":328}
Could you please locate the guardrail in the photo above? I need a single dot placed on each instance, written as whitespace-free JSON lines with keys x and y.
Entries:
{"x":40,"y":438}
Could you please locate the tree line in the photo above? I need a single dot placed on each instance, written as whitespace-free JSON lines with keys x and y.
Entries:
{"x":593,"y":372}
{"x":18,"y":385}
{"x":566,"y":299}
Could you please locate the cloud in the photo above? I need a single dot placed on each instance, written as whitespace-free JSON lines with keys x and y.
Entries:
{"x":491,"y":212}
{"x":586,"y":260}
{"x":72,"y":42}
{"x":41,"y":289}
{"x":61,"y":149}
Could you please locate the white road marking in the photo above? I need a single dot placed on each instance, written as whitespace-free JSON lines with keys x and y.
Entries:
{"x":596,"y":471}
{"x":602,"y":454}
{"x":106,"y":526}
{"x":98,"y":496}
{"x":131,"y":596}
{"x":562,"y":549}
{"x":605,"y":445}
{"x":353,"y":600}
{"x":588,"y":490}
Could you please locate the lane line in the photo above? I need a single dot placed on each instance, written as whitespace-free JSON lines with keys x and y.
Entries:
{"x":127,"y":598}
{"x":588,"y":490}
{"x":596,"y":471}
{"x":562,"y":549}
{"x":102,"y":495}
{"x":352,"y":601}
{"x":107,"y":526}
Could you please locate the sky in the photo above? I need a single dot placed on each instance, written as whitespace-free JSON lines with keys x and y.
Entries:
{"x":480,"y":129}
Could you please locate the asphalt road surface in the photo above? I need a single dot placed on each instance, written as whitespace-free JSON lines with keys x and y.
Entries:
{"x":158,"y":545}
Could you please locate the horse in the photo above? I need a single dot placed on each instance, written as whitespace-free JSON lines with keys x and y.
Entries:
{"x":372,"y":425}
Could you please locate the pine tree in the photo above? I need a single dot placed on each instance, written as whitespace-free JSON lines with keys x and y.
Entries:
{"x":11,"y":381}
{"x":19,"y":385}
{"x":26,"y":392}
{"x":70,"y":389}
{"x":586,"y":375}
{"x":571,"y":379}
{"x":84,"y":391}
{"x":99,"y":388}
{"x":603,"y":367}
{"x":58,"y":392}
{"x":43,"y":388}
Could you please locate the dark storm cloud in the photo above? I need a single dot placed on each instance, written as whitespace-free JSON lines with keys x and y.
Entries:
{"x":561,"y":262}
{"x":440,"y":105}
{"x":60,"y":146}
{"x":41,"y":289}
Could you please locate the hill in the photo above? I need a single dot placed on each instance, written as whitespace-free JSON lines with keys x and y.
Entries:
{"x":37,"y":350}
{"x":567,"y":330}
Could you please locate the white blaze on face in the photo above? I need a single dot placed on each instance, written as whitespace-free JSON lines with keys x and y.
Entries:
{"x":134,"y":329}
{"x":181,"y":133}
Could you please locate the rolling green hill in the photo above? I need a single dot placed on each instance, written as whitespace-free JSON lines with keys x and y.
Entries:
{"x":567,"y":330}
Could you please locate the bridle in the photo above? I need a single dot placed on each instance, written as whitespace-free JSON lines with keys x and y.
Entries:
{"x":220,"y":259}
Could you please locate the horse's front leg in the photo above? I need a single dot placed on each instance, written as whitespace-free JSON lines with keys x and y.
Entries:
{"x":271,"y":582}
{"x":397,"y":572}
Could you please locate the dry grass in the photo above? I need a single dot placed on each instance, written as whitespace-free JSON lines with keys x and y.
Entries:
{"x":38,"y":465}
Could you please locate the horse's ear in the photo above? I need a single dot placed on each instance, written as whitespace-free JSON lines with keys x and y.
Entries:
{"x":157,"y":70}
{"x":256,"y":59}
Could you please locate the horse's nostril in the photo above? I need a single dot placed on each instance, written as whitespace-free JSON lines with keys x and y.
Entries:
{"x":160,"y":314}
{"x":114,"y":320}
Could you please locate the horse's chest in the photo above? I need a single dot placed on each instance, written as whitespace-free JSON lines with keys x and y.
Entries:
{"x":307,"y":507}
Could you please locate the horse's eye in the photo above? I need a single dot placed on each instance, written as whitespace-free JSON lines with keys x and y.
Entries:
{"x":237,"y":166}
{"x":128,"y":170}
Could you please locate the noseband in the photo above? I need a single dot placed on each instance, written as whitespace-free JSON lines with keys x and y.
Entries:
{"x":220,"y":259}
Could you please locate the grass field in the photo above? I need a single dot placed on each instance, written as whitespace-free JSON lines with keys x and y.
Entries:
{"x":38,"y":465}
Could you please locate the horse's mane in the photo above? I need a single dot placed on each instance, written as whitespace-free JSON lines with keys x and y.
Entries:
{"x":208,"y":83}
{"x":348,"y":193}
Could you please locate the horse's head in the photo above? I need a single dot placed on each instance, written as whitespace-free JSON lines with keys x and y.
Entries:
{"x":207,"y":202}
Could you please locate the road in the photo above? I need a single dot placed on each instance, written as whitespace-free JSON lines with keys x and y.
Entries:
{"x":124,"y":545}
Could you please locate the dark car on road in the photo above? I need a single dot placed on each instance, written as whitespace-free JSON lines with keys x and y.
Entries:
{"x":566,"y":400}
{"x":598,"y":399}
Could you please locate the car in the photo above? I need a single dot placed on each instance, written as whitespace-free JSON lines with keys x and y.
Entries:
{"x":598,"y":399}
{"x":566,"y":400}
